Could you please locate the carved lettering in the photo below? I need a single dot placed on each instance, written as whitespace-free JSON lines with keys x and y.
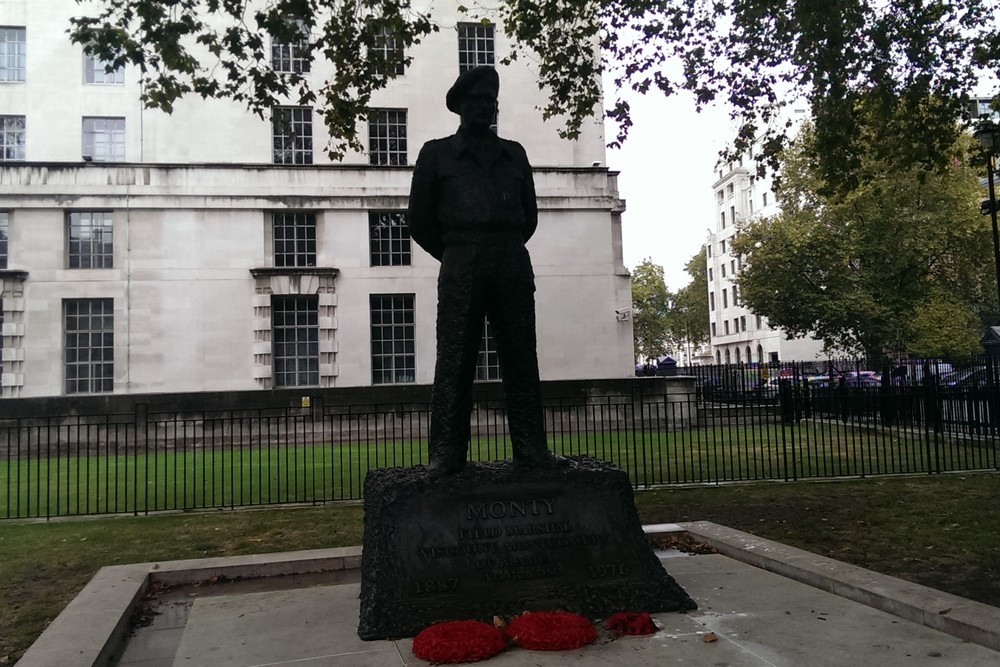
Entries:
{"x":426,"y":586}
{"x":458,"y":550}
{"x":538,"y":529}
{"x":524,"y":573}
{"x":479,"y":533}
{"x":503,"y":509}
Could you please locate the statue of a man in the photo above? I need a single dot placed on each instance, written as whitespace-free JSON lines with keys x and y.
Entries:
{"x":472,"y":206}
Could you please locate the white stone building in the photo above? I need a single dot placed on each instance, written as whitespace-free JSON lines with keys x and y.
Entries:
{"x":738,"y":335}
{"x":145,"y":252}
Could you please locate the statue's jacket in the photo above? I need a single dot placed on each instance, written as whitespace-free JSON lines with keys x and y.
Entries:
{"x":460,"y":196}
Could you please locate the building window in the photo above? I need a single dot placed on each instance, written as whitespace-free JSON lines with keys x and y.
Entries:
{"x":725,"y":299}
{"x":292,"y":135}
{"x":488,"y":362}
{"x":723,"y":247}
{"x":12,"y":132}
{"x":709,"y":275}
{"x":736,"y":325}
{"x":388,"y":52}
{"x":13,"y":49}
{"x":723,"y":267}
{"x":736,"y":297}
{"x":758,"y":322}
{"x":90,"y":345}
{"x":104,"y":139}
{"x":388,"y":238}
{"x":711,"y":300}
{"x":90,"y":240}
{"x":713,"y":330}
{"x":97,"y":71}
{"x":730,"y":189}
{"x":291,"y":57}
{"x":760,"y":354}
{"x":709,"y":250}
{"x":476,"y":45}
{"x":722,"y":217}
{"x":4,"y":233}
{"x":393,"y":346}
{"x":738,"y":355}
{"x":719,"y":197}
{"x":765,"y":199}
{"x":294,"y":239}
{"x":387,"y":137}
{"x":295,"y":332}
{"x":725,"y":327}
{"x":732,"y":214}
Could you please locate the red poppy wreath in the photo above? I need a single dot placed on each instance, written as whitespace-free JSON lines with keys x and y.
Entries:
{"x":458,"y":641}
{"x":550,"y":631}
{"x":631,"y":623}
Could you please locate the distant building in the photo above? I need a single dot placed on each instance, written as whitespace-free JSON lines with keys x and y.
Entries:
{"x":737,"y":334}
{"x":210,"y":250}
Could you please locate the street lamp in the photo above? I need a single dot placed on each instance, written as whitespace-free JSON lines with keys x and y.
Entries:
{"x":988,"y":136}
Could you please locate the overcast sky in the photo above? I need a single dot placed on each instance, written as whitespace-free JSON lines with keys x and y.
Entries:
{"x":667,"y":169}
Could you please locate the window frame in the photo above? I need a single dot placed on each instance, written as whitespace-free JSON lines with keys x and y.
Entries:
{"x":385,"y":149}
{"x":292,"y":57}
{"x":4,"y":238}
{"x":97,"y":252}
{"x":101,"y":382}
{"x":111,"y":147}
{"x":292,"y":137}
{"x":13,"y":59}
{"x":398,"y":365}
{"x":94,"y":68}
{"x":296,"y":249}
{"x":295,"y":344}
{"x":476,"y":45}
{"x":389,"y":241}
{"x":488,"y":359}
{"x":18,"y":138}
{"x":389,"y":46}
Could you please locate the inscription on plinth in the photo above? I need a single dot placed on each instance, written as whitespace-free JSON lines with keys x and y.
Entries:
{"x":498,"y":540}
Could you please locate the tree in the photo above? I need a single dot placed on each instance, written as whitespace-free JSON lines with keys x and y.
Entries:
{"x":651,"y":302}
{"x":921,"y":54}
{"x":876,"y":268}
{"x":221,"y":49}
{"x":687,"y":321}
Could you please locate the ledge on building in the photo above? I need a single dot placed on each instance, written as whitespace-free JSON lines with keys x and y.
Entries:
{"x":17,"y":275}
{"x":267,"y":271}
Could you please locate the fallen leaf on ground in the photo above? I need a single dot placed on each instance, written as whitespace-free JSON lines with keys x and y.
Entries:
{"x":709,"y":637}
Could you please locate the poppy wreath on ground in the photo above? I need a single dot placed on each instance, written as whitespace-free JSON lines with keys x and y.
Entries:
{"x":631,"y":623}
{"x":550,"y":631}
{"x":458,"y":641}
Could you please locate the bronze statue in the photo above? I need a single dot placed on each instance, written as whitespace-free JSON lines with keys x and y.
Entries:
{"x":472,"y":206}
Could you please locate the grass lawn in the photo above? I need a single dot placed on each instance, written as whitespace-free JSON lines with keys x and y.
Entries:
{"x":66,"y":482}
{"x":939,"y":530}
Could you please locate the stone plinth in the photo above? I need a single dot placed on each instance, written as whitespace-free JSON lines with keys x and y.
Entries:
{"x":500,"y":539}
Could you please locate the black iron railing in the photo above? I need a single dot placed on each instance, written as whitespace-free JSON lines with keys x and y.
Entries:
{"x":719,"y":424}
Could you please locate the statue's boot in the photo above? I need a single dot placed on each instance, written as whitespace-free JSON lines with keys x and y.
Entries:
{"x":444,"y":461}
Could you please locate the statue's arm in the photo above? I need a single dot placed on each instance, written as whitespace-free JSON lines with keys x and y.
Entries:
{"x":528,"y":200}
{"x":421,"y":216}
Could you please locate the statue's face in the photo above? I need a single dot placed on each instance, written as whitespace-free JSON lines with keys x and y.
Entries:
{"x":479,"y":107}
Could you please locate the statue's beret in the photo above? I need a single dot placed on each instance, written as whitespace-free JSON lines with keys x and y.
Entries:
{"x":466,"y":80}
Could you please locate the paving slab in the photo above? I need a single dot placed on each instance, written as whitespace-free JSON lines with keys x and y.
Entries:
{"x":767,"y":604}
{"x":758,"y":618}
